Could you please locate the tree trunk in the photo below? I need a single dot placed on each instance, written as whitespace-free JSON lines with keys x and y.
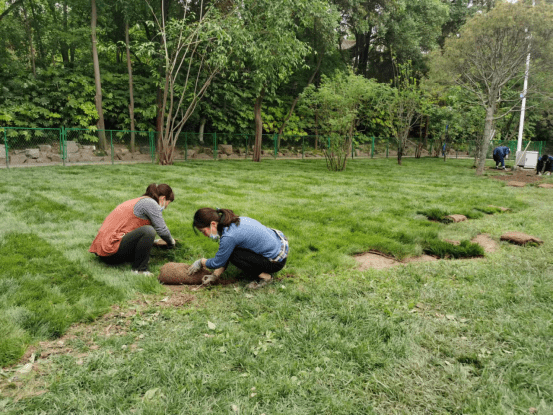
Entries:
{"x":202,"y":126}
{"x":281,"y":129}
{"x":131,"y":92}
{"x":258,"y":127}
{"x":97,"y":81}
{"x":64,"y":48}
{"x":490,"y":111}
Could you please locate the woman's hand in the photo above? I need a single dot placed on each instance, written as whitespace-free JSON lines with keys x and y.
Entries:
{"x":195,"y":267}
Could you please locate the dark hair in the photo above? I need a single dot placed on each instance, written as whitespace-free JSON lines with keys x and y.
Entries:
{"x":156,"y":190}
{"x":224,"y":217}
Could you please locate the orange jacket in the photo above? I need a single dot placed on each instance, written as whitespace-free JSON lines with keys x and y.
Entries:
{"x":118,"y":223}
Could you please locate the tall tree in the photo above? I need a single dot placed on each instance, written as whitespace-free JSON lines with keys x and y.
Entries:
{"x":195,"y":49}
{"x":489,"y":56}
{"x":97,"y":79}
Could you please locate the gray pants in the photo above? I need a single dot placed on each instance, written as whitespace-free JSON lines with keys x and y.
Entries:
{"x":135,"y":247}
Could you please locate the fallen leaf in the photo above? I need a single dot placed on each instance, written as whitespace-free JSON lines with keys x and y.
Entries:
{"x":165,"y":300}
{"x":25,"y":369}
{"x":211,"y":325}
{"x":234,"y":408}
{"x":450,"y":316}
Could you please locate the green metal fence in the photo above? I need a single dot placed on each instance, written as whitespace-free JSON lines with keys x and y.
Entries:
{"x":51,"y":146}
{"x":28,"y":146}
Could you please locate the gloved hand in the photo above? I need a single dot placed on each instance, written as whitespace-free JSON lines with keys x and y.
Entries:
{"x":195,"y":267}
{"x":208,"y":279}
{"x":173,"y":243}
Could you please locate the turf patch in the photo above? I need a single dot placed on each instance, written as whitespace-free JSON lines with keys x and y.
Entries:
{"x":44,"y":293}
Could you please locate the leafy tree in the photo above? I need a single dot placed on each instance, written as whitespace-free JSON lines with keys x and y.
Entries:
{"x":488,"y":59}
{"x":406,"y":105}
{"x":338,"y":102}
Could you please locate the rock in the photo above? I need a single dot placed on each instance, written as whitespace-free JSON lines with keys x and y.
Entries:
{"x":223,"y":156}
{"x":144,"y":150}
{"x":455,"y":218}
{"x":56,"y":158}
{"x":516,"y":184}
{"x":546,"y":186}
{"x":32,"y":153}
{"x":2,"y":151}
{"x":44,"y":148}
{"x":89,"y":148}
{"x":203,"y":156}
{"x":520,"y":238}
{"x":225,"y":149}
{"x":190,"y":154}
{"x":72,"y":147}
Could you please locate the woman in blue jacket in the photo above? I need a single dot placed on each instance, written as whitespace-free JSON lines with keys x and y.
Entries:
{"x":257,"y":250}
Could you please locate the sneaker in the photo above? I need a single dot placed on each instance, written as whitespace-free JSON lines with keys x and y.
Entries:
{"x":147,"y":273}
{"x":548,"y":173}
{"x":539,"y":174}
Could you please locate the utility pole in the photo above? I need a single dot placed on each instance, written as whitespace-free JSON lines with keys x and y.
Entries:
{"x":523,"y":96}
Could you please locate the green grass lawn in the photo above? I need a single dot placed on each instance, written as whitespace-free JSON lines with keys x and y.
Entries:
{"x":447,"y":337}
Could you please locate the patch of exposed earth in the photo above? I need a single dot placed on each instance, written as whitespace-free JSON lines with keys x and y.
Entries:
{"x":378,"y":260}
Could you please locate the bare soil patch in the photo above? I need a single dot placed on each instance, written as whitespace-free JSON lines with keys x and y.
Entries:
{"x":378,"y":260}
{"x":522,"y":176}
{"x":486,"y":242}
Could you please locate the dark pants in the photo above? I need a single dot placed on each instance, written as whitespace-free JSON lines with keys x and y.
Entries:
{"x":545,"y":166}
{"x":499,"y":160}
{"x":135,"y":247}
{"x":253,"y":264}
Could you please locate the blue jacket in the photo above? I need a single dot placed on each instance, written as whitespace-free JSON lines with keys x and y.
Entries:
{"x":250,"y":234}
{"x":501,"y":151}
{"x":545,"y":158}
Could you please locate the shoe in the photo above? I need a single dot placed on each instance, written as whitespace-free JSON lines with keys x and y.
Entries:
{"x":548,"y":173}
{"x":147,"y":273}
{"x":539,"y":174}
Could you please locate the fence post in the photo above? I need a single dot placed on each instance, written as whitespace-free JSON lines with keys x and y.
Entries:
{"x":372,"y":148}
{"x":152,"y":148}
{"x":214,"y":146}
{"x":7,"y":149}
{"x":275,"y":140}
{"x":387,"y":147}
{"x":431,"y":144}
{"x":63,"y":140}
{"x":111,"y":144}
{"x":302,"y":148}
{"x":328,"y":142}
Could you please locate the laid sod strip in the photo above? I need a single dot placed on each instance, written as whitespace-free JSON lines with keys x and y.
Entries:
{"x":42,"y":294}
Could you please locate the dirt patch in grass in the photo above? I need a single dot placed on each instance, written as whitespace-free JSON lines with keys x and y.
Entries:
{"x":522,"y":176}
{"x":378,"y":260}
{"x":486,"y":242}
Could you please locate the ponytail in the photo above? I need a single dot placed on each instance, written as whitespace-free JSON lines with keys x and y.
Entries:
{"x":156,"y":190}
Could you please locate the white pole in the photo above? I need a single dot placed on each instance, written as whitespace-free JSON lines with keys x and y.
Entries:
{"x":523,"y":96}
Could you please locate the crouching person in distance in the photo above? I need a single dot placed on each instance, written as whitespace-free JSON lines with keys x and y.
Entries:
{"x":128,"y":233}
{"x":545,"y":164}
{"x":244,"y":242}
{"x":499,"y":155}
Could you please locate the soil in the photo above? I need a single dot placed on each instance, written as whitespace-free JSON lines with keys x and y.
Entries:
{"x":378,"y":260}
{"x":521,"y":175}
{"x":486,"y":242}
